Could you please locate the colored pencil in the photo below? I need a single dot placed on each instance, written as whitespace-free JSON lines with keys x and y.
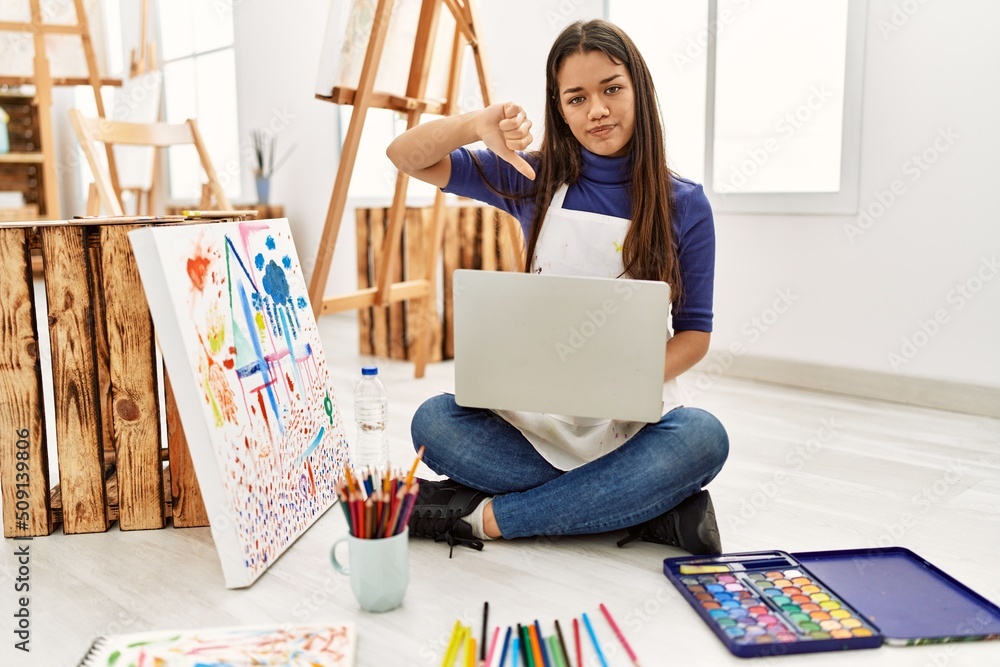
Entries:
{"x":493,"y":647}
{"x":416,"y":462}
{"x":342,"y":497}
{"x":621,"y":637}
{"x":562,"y":643}
{"x":470,"y":650}
{"x":522,"y":632}
{"x":482,"y":636}
{"x":541,"y":645}
{"x":536,"y":651}
{"x":515,"y":652}
{"x":449,"y":654}
{"x":593,"y":638}
{"x":576,"y":637}
{"x":406,"y":507}
{"x":506,"y":644}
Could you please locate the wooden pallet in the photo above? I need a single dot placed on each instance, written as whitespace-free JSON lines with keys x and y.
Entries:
{"x":105,"y":382}
{"x":475,"y":237}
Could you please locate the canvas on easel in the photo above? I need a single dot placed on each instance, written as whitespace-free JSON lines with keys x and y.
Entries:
{"x":46,"y":45}
{"x":371,"y":32}
{"x":252,"y":385}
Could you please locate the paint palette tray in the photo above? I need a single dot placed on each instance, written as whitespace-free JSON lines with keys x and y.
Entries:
{"x":774,"y":603}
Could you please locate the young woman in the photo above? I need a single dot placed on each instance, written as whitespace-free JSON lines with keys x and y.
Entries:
{"x":596,"y":200}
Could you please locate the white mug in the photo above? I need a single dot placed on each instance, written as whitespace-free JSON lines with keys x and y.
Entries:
{"x":379,"y":569}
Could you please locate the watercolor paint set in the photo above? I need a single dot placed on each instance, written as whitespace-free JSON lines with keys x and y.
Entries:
{"x":775,"y":603}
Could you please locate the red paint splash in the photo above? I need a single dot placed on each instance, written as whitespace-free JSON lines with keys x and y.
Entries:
{"x":197,"y":267}
{"x":291,"y":385}
{"x":229,"y":364}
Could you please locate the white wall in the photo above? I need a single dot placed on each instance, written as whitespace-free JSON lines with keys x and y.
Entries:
{"x":277,"y":53}
{"x":856,"y":290}
{"x":278,"y":49}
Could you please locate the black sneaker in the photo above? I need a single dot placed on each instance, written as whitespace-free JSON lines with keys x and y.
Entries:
{"x":439,"y":513}
{"x":690,"y":525}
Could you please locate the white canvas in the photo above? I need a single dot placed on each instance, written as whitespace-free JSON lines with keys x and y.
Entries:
{"x":241,"y":346}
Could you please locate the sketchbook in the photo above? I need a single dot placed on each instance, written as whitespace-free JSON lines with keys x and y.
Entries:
{"x":285,"y":645}
{"x":238,"y":337}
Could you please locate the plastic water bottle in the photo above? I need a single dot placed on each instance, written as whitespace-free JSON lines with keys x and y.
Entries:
{"x":371,"y":407}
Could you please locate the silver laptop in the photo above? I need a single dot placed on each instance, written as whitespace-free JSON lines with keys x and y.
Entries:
{"x":585,"y":347}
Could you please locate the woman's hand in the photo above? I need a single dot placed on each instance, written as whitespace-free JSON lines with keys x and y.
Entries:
{"x":505,"y":128}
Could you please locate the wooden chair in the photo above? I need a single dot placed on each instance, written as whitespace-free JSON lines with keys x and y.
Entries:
{"x":91,"y":131}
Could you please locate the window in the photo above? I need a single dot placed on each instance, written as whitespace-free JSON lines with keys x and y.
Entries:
{"x":199,"y":75}
{"x":778,"y":85}
{"x":672,"y":38}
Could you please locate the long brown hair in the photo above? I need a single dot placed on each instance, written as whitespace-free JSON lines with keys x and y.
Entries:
{"x":650,"y":248}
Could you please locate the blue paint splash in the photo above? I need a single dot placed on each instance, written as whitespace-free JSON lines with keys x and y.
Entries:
{"x":301,"y":303}
{"x":275,"y":283}
{"x":259,"y":353}
{"x":270,"y":243}
{"x":315,"y":443}
{"x":258,"y":261}
{"x":286,"y":262}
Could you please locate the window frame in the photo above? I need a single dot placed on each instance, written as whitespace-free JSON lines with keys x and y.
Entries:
{"x":233,"y":185}
{"x":845,"y":200}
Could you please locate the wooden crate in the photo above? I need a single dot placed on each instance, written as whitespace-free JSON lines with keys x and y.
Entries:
{"x":475,"y":237}
{"x":105,"y":390}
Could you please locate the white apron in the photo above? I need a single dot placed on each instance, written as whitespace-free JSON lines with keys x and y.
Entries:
{"x":579,"y":243}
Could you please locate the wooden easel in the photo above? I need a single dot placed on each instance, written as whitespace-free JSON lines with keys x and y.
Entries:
{"x":43,"y":82}
{"x":413,"y":104}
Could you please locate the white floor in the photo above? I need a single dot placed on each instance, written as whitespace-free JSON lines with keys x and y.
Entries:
{"x":806,"y":471}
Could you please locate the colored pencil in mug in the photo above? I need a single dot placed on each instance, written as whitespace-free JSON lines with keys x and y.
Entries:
{"x":413,"y":468}
{"x":406,"y":507}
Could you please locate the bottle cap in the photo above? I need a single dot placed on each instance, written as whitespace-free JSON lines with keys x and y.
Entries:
{"x":369,"y":370}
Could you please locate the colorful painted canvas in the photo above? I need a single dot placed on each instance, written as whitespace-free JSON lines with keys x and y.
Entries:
{"x":241,"y":346}
{"x":289,"y":646}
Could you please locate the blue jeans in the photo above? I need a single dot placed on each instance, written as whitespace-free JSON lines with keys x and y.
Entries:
{"x":658,"y":467}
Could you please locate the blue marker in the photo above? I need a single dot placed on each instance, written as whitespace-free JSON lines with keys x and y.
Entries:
{"x":593,"y":638}
{"x":506,"y":644}
{"x":541,"y":646}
